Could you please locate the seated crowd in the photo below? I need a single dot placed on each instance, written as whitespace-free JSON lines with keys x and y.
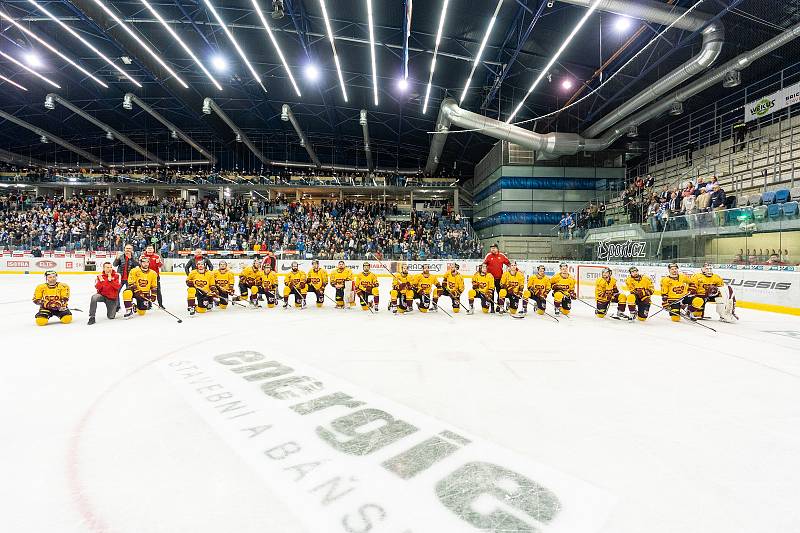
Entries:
{"x":326,"y":230}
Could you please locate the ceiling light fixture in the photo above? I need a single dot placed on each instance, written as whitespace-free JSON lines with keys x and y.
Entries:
{"x":235,"y":44}
{"x":333,"y":47}
{"x":15,"y":84}
{"x":435,"y":51}
{"x":186,"y":49}
{"x":372,"y":52}
{"x":555,"y":57}
{"x":312,"y":72}
{"x":622,"y":24}
{"x":141,"y":43}
{"x":402,"y":84}
{"x":275,"y":44}
{"x":86,"y":43}
{"x":33,"y":60}
{"x":480,"y":50}
{"x":219,"y":62}
{"x":47,"y":45}
{"x":26,"y":67}
{"x":566,"y":84}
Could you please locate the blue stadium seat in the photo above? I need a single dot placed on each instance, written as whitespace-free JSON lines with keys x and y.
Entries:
{"x":760,"y":213}
{"x":781,"y":196}
{"x":790,"y":209}
{"x":732,"y":216}
{"x":768,"y":198}
{"x":774,"y":211}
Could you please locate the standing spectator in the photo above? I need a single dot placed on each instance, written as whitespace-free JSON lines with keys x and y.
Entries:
{"x":649,"y":182}
{"x":494,"y":261}
{"x":108,"y":285}
{"x":124,"y":264}
{"x":198,"y":257}
{"x":155,"y":265}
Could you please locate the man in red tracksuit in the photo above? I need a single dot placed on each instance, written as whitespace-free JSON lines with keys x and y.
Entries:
{"x":107,"y":284}
{"x":155,"y":264}
{"x":494,"y":261}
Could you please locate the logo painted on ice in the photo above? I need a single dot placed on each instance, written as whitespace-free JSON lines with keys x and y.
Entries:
{"x":623,"y":250}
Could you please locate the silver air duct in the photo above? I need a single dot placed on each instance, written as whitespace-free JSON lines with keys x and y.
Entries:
{"x":105,"y":127}
{"x":131,"y":99}
{"x":287,"y":115}
{"x":367,"y":148}
{"x":57,"y":140}
{"x":210,"y":105}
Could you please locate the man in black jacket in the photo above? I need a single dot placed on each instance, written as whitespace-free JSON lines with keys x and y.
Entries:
{"x":191,"y":263}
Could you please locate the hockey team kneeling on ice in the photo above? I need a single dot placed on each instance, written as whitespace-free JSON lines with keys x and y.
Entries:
{"x":681,"y":295}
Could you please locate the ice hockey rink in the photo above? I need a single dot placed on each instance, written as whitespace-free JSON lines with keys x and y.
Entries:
{"x":596,"y":425}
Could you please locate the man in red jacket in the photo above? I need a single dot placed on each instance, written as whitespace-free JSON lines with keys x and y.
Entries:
{"x":494,"y":261}
{"x":107,"y":284}
{"x":155,"y":265}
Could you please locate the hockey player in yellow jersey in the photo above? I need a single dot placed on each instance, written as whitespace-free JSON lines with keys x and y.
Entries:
{"x":250,"y":281}
{"x":223,"y":281}
{"x":452,"y":286}
{"x":340,"y":278}
{"x":563,"y":286}
{"x":142,"y":289}
{"x":538,"y":289}
{"x":704,"y":287}
{"x":512,"y":286}
{"x":423,"y":285}
{"x":202,"y":289}
{"x":366,"y":287}
{"x":269,"y":285}
{"x":483,"y":288}
{"x":674,"y":291}
{"x":606,"y":292}
{"x":317,"y":280}
{"x":294,"y":284}
{"x":52,"y":297}
{"x":402,"y":294}
{"x":640,"y":289}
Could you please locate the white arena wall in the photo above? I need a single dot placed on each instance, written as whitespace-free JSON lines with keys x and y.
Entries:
{"x":762,"y":287}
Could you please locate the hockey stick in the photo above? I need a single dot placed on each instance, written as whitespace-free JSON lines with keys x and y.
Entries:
{"x":691,"y":321}
{"x":180,"y":321}
{"x":78,"y":309}
{"x":544,"y":312}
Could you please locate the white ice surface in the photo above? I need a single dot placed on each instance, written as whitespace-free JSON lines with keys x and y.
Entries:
{"x":691,"y":431}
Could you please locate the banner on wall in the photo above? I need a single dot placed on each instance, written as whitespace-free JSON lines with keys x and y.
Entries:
{"x":776,"y":101}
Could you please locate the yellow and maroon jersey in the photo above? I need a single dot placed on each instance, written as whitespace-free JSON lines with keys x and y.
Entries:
{"x":700,"y":283}
{"x":642,"y":287}
{"x":424,"y":283}
{"x":269,"y":282}
{"x":454,"y":283}
{"x":142,"y":282}
{"x":339,"y":277}
{"x":558,"y":283}
{"x":483,"y":283}
{"x":513,"y":283}
{"x":224,"y":281}
{"x":251,"y":277}
{"x":605,"y":291}
{"x":402,"y":282}
{"x":539,"y":285}
{"x":675,"y":288}
{"x":317,"y":278}
{"x":47,"y":296}
{"x":294,"y":279}
{"x":204,"y":282}
{"x":366,"y":282}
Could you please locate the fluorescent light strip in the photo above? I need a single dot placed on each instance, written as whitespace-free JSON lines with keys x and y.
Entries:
{"x":50,"y":47}
{"x":141,"y":43}
{"x":435,"y":51}
{"x":558,"y":53}
{"x":333,"y":47}
{"x":86,"y":43}
{"x":480,"y":50}
{"x":48,"y":80}
{"x":372,"y":52}
{"x":15,"y":84}
{"x":186,"y":49}
{"x":235,"y":44}
{"x":275,"y":44}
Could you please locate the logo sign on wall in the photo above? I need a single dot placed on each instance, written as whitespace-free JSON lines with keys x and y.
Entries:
{"x":776,"y":101}
{"x":607,"y":251}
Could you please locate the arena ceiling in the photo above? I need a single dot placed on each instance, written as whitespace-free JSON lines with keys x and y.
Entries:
{"x":523,"y":38}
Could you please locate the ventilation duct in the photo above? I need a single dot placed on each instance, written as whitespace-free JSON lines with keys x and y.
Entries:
{"x":365,"y":128}
{"x":210,"y":106}
{"x":287,"y":115}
